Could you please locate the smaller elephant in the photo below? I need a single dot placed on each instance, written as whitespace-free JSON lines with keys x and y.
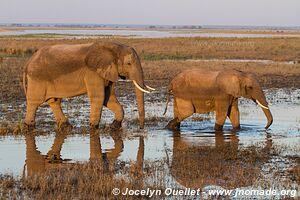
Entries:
{"x":202,"y":91}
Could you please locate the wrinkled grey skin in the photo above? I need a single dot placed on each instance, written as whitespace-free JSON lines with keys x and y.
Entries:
{"x":62,"y":71}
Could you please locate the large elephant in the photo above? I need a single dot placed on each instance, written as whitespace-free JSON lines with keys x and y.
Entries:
{"x":61,"y":71}
{"x":201,"y":91}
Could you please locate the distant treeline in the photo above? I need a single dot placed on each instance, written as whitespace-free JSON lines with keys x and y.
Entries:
{"x":176,"y":27}
{"x":104,"y":26}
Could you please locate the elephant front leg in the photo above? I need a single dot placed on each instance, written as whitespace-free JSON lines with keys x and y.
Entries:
{"x":221,"y":115}
{"x":234,"y":115}
{"x":96,"y":111}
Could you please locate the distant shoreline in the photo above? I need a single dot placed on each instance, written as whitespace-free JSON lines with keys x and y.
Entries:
{"x":147,"y":26}
{"x":137,"y":32}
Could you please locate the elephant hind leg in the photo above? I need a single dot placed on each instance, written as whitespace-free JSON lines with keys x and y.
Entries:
{"x":35,"y":97}
{"x":60,"y":118}
{"x":174,"y":124}
{"x":182,"y":110}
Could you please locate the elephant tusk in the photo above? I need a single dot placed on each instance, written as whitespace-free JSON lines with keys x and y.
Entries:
{"x":265,"y":107}
{"x":139,"y":87}
{"x":150,"y":88}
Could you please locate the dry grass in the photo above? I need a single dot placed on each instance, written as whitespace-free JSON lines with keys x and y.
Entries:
{"x":81,"y":181}
{"x":269,"y":75}
{"x":224,"y":165}
{"x":154,"y":52}
{"x":10,"y":80}
{"x":278,"y":49}
{"x":159,"y":73}
{"x":294,"y":173}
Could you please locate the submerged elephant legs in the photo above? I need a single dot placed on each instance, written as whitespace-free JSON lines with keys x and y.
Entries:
{"x":225,"y":107}
{"x":222,"y":108}
{"x":174,"y":124}
{"x":114,"y":105}
{"x":182,"y":110}
{"x":234,"y":115}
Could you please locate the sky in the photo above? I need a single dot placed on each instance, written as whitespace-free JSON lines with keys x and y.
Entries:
{"x":156,"y":12}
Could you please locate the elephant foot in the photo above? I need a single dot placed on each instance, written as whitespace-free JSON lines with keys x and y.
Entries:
{"x":53,"y":158}
{"x":116,"y":125}
{"x":173,"y":125}
{"x":63,"y":126}
{"x":142,"y":126}
{"x":237,"y":128}
{"x":218,"y":127}
{"x":94,"y":126}
{"x":25,"y":128}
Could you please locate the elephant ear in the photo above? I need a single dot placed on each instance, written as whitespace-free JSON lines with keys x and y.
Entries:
{"x":229,"y":82}
{"x":104,"y":61}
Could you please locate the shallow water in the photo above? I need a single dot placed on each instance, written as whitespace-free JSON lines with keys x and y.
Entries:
{"x":139,"y":33}
{"x":154,"y":142}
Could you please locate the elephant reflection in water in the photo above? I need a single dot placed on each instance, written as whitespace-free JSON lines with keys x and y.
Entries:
{"x":223,"y":163}
{"x":38,"y":163}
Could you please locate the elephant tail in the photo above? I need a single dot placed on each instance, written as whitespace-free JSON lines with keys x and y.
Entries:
{"x":168,"y":99}
{"x":24,"y":83}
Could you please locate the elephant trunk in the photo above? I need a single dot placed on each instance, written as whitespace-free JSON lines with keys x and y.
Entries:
{"x":137,"y":77}
{"x":140,"y":103}
{"x":262,"y":102}
{"x":269,"y":117}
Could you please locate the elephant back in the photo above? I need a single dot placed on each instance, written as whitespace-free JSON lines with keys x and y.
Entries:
{"x":49,"y":63}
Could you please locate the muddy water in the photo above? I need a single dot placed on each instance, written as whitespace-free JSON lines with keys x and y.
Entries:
{"x":154,"y":142}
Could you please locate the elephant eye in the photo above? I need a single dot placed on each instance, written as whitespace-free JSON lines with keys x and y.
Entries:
{"x":249,"y":88}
